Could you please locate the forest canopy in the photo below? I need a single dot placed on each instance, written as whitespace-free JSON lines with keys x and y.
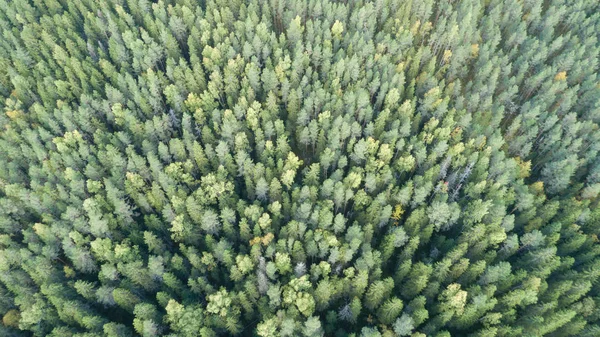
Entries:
{"x":299,"y":168}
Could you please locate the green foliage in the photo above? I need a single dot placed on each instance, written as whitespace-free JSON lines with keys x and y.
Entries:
{"x":315,"y":168}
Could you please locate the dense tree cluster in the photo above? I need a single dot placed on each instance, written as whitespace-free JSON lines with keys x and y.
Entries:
{"x":299,"y":168}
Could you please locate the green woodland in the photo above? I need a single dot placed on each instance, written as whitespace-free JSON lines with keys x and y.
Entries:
{"x":299,"y":168}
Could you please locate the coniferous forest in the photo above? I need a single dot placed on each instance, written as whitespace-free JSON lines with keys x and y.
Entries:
{"x":299,"y":168}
